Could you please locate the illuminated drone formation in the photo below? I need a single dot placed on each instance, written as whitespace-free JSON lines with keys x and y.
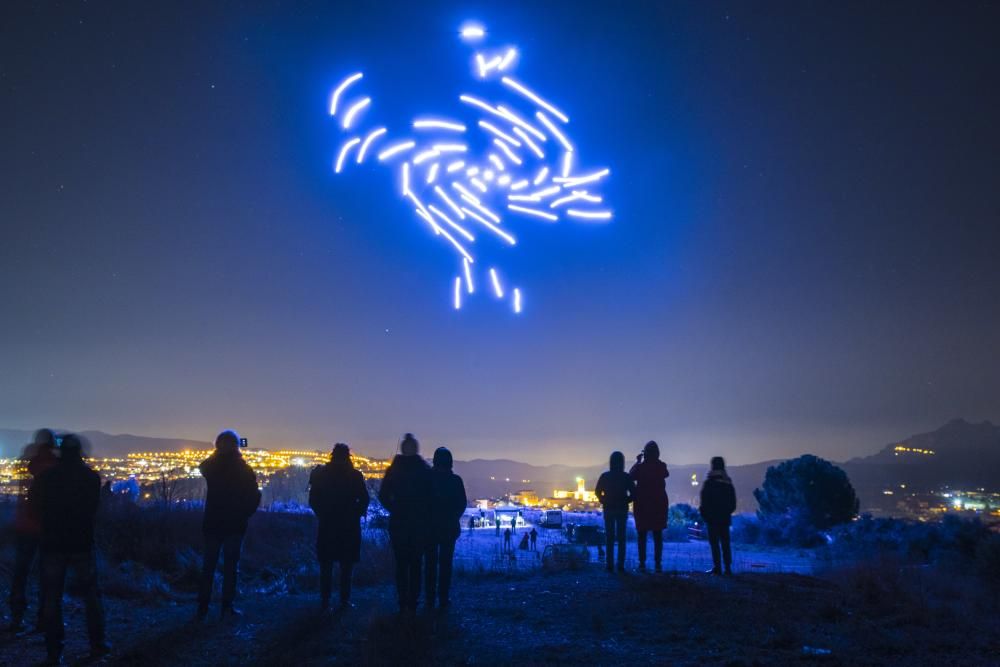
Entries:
{"x":526,"y":166}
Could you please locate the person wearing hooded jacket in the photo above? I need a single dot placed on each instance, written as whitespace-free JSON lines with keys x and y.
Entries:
{"x":40,"y":455}
{"x":448,"y":503}
{"x":406,"y":493}
{"x":339,"y":497}
{"x":231,"y":499}
{"x":615,"y":490}
{"x":651,"y":502}
{"x":718,"y":502}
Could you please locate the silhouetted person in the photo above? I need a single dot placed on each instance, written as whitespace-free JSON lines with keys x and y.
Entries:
{"x":231,"y":499}
{"x":448,"y":503}
{"x":524,"y":544}
{"x":513,"y":525}
{"x":40,"y":455}
{"x":472,"y":524}
{"x":68,"y":496}
{"x":615,"y":490}
{"x":406,"y":494}
{"x":534,"y":539}
{"x":718,"y":502}
{"x":651,"y":503}
{"x":338,"y":496}
{"x":496,"y":522}
{"x":506,"y":540}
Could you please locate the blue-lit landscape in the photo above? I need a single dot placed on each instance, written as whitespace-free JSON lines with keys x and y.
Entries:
{"x":527,"y":333}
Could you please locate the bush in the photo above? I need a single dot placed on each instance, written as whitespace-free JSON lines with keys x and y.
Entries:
{"x":802,"y":496}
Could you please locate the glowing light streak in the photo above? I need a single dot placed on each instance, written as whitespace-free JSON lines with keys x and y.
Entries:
{"x":419,"y":204}
{"x":490,"y":127}
{"x":481,"y":65}
{"x":511,"y":83}
{"x":492,"y":63}
{"x":497,"y":162}
{"x":479,"y":185}
{"x":424,"y":156}
{"x":448,"y":221}
{"x":531,"y":144}
{"x":406,"y":178}
{"x":520,"y":185}
{"x":493,"y":228}
{"x":395,"y":149}
{"x":482,"y":209}
{"x":343,"y":153}
{"x":508,"y":152}
{"x":447,"y":200}
{"x":472,"y":31}
{"x":588,"y":215}
{"x":488,"y":175}
{"x":340,"y":90}
{"x":533,"y":211}
{"x":438,"y":124}
{"x":540,"y":176}
{"x":528,"y":198}
{"x":512,"y":117}
{"x":517,"y":300}
{"x":472,"y":171}
{"x":426,"y":216}
{"x":504,"y":179}
{"x":458,"y":293}
{"x":576,"y":196}
{"x":567,"y":164}
{"x":465,"y":191}
{"x":450,"y":148}
{"x":560,"y":137}
{"x":444,"y":232}
{"x":508,"y":58}
{"x":455,"y":166}
{"x":432,"y":173}
{"x":372,"y":136}
{"x":468,"y":276}
{"x":354,"y":110}
{"x":573,"y":181}
{"x":547,"y":192}
{"x":497,"y":289}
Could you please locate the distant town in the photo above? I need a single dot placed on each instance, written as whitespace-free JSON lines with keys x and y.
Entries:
{"x":173,"y":476}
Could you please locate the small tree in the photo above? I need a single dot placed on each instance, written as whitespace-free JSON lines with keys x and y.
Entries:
{"x":808,"y":491}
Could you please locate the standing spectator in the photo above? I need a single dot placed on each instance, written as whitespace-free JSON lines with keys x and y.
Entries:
{"x":534,"y":539}
{"x":513,"y":525}
{"x":718,"y":502}
{"x":231,"y":499}
{"x":406,"y":493}
{"x":68,"y":495}
{"x":338,"y":496}
{"x":448,"y":502}
{"x":507,"y":544}
{"x":615,"y":490}
{"x":472,"y":525}
{"x":40,"y":455}
{"x":651,"y":502}
{"x":496,"y":522}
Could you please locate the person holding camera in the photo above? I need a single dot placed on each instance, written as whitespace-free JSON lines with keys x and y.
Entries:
{"x":651,"y":502}
{"x":231,"y":499}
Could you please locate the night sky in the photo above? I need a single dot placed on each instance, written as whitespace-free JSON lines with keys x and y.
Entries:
{"x":805,"y":254}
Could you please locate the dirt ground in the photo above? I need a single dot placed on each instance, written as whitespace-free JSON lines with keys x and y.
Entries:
{"x":579,"y":617}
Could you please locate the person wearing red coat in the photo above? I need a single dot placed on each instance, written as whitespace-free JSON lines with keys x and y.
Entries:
{"x":651,"y":503}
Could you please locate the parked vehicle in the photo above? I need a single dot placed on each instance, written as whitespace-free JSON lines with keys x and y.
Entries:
{"x":550,"y":519}
{"x":565,"y":556}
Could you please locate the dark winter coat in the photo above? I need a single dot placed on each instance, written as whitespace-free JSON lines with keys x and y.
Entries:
{"x":651,"y":502}
{"x":615,"y":489}
{"x":339,"y":497}
{"x":406,"y":495}
{"x":68,"y":494}
{"x":718,"y":499}
{"x":232,"y":496}
{"x":27,"y":517}
{"x":448,"y":503}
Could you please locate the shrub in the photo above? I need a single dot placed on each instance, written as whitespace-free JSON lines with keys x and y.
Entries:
{"x":802,"y":496}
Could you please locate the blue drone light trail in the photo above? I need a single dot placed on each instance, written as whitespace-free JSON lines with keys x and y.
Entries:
{"x":372,"y":136}
{"x":513,"y":153}
{"x":395,"y":150}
